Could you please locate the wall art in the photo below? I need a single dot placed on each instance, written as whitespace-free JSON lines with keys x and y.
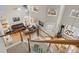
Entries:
{"x":52,"y":12}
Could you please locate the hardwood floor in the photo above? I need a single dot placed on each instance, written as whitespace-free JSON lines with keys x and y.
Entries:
{"x":20,"y":48}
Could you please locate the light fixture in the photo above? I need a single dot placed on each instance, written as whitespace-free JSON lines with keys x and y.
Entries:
{"x":18,"y":9}
{"x":25,"y":17}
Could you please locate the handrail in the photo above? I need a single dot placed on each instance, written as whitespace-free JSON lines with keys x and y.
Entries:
{"x":69,"y":42}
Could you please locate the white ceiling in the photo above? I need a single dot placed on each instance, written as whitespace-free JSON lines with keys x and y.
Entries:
{"x":5,"y":8}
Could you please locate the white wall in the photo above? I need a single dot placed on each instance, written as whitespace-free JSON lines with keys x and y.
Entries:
{"x":67,"y":19}
{"x":15,"y":13}
{"x":2,"y":46}
{"x":43,"y":15}
{"x":10,"y":11}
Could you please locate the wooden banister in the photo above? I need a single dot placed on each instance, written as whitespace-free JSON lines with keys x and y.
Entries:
{"x":68,"y":42}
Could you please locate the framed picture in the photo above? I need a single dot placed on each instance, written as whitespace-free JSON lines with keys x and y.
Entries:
{"x":4,"y":24}
{"x":52,"y":12}
{"x":74,"y":13}
{"x":35,"y":9}
{"x":15,"y":19}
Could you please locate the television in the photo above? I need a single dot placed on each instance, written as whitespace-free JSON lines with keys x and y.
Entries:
{"x":41,"y":23}
{"x":15,"y":19}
